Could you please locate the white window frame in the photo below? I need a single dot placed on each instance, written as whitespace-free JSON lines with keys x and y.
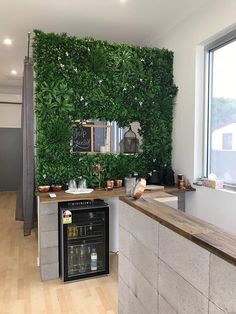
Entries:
{"x":216,"y":44}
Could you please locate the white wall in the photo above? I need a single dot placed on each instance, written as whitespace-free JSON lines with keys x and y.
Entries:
{"x":10,"y":114}
{"x":187,"y":40}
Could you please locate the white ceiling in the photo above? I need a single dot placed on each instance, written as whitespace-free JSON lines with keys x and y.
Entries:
{"x":133,"y":21}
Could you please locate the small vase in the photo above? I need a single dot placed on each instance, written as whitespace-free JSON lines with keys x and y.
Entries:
{"x":56,"y":187}
{"x":43,"y":188}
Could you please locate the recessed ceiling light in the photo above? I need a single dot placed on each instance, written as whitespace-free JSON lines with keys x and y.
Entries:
{"x":7,"y":41}
{"x":13,"y":72}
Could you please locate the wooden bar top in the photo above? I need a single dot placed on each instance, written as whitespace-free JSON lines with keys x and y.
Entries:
{"x":196,"y":230}
{"x":62,"y":196}
{"x":102,"y":194}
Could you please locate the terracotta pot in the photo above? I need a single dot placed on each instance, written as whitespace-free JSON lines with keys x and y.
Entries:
{"x":43,"y":188}
{"x":56,"y":187}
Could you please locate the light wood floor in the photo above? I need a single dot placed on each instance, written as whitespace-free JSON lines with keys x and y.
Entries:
{"x":23,"y":292}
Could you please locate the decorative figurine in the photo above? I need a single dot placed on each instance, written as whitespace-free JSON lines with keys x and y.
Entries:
{"x":97,"y":170}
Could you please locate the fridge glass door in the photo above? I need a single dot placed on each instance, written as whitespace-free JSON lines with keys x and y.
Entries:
{"x":86,"y":241}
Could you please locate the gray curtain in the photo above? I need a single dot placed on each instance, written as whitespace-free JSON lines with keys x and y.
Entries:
{"x":25,"y":204}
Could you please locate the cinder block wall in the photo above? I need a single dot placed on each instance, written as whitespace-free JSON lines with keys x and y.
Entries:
{"x":48,"y":240}
{"x":164,"y":273}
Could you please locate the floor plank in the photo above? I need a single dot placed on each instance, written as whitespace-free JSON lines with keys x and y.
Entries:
{"x":23,"y":292}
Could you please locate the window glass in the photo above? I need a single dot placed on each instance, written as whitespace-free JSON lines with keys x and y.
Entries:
{"x":227,"y":141}
{"x":221,"y":152}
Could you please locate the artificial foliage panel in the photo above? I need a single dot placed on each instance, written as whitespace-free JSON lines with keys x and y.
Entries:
{"x":91,"y":79}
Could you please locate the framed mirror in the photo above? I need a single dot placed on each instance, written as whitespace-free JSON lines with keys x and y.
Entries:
{"x":95,"y":136}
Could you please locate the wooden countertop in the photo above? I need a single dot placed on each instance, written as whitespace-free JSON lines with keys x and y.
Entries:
{"x":196,"y":230}
{"x":103,"y":194}
{"x":66,"y":197}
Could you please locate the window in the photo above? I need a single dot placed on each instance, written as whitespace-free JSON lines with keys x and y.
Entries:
{"x":221,"y":115}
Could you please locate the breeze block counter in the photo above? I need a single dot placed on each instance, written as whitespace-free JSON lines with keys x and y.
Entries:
{"x":173,"y":263}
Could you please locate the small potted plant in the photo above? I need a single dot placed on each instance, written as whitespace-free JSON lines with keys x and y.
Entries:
{"x":43,"y":185}
{"x":56,"y":186}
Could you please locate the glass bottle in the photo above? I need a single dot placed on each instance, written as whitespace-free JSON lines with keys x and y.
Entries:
{"x":128,"y":186}
{"x":90,"y":228}
{"x":94,"y":259}
{"x":76,"y":258}
{"x":82,"y":265}
{"x":70,"y":259}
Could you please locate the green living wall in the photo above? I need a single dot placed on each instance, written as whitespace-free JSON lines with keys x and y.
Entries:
{"x":91,"y":79}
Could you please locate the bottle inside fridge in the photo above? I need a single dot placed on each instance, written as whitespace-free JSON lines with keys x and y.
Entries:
{"x":94,"y":258}
{"x":82,"y":264}
{"x":73,"y":259}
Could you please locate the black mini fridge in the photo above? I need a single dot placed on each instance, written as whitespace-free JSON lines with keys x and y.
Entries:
{"x":84,"y":239}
